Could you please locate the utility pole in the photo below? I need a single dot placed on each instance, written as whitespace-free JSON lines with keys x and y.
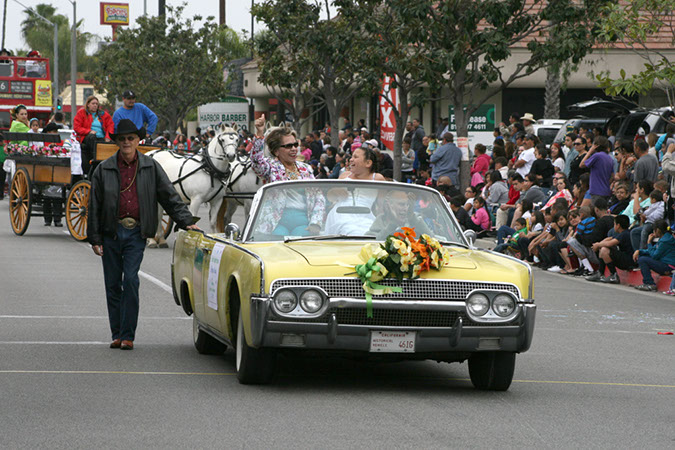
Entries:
{"x":162,"y":8}
{"x":4,"y":21}
{"x":145,"y":7}
{"x":223,"y":13}
{"x":55,"y":66}
{"x":73,"y":66}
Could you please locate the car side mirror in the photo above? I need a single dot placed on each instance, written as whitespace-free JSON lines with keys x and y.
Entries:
{"x":232,"y":231}
{"x":470,"y":236}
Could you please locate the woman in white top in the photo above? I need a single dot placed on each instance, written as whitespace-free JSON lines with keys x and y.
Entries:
{"x":362,"y":166}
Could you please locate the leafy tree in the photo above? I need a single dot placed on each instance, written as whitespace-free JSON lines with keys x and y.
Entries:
{"x":467,"y":43}
{"x":39,"y":35}
{"x":284,"y":58}
{"x":647,"y":27}
{"x":393,"y":52}
{"x":313,"y":53}
{"x":171,"y":64}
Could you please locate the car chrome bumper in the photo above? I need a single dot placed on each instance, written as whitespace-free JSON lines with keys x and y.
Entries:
{"x":268,"y":330}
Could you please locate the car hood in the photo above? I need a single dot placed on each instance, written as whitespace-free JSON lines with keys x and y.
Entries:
{"x":337,"y":259}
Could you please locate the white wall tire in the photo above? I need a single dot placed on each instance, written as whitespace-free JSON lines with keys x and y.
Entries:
{"x":254,"y":365}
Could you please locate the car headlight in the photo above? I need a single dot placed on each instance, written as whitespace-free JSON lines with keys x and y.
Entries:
{"x":311,"y":301}
{"x":478,"y":304}
{"x":285,"y":301}
{"x":503,"y":305}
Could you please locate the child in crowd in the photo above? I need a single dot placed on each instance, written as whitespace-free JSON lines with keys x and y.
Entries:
{"x":550,"y":256}
{"x":433,"y":144}
{"x":456,"y":204}
{"x":655,"y":211}
{"x":512,"y":243}
{"x":480,"y":219}
{"x":502,"y":165}
{"x":614,"y":251}
{"x":34,"y":128}
{"x":659,"y":257}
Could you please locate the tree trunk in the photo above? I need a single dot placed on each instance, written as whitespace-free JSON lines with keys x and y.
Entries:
{"x":401,"y":116}
{"x":552,"y":94}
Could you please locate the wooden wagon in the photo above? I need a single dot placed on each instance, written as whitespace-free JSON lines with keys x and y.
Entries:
{"x":33,"y":173}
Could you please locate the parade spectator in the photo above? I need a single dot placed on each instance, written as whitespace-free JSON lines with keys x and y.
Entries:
{"x":550,"y":256}
{"x":528,"y":121}
{"x":614,"y":251}
{"x":570,"y":152}
{"x":480,"y":218}
{"x":181,"y":138}
{"x":502,"y":166}
{"x":407,"y":160}
{"x":655,"y":211}
{"x":620,"y":200}
{"x":601,"y":167}
{"x":526,"y":158}
{"x":446,"y":160}
{"x":123,"y":202}
{"x":659,"y":257}
{"x":627,"y":161}
{"x":457,"y":206}
{"x":444,"y":186}
{"x":92,"y":125}
{"x":315,"y":146}
{"x":581,"y":243}
{"x":138,"y":113}
{"x":384,"y":163}
{"x":513,"y":241}
{"x":557,"y":157}
{"x":421,"y":155}
{"x":432,"y":144}
{"x":417,"y":135}
{"x":507,"y":131}
{"x":305,"y":150}
{"x":640,"y":201}
{"x":646,"y":166}
{"x":497,"y":191}
{"x":505,"y":211}
{"x":442,"y":126}
{"x":542,"y":168}
{"x":339,"y":166}
{"x":470,"y":193}
{"x":576,"y":171}
{"x":480,"y":166}
{"x":561,"y":188}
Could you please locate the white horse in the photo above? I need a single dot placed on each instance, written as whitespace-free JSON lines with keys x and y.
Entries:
{"x":241,"y":185}
{"x":199,"y":178}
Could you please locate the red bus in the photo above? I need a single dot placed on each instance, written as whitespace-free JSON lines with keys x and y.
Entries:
{"x":25,"y":81}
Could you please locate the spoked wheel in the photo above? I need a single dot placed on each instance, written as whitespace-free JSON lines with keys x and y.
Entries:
{"x":167,"y":225}
{"x":77,"y":210}
{"x":20,"y":201}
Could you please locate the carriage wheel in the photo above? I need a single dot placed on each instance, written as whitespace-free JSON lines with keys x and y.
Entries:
{"x":167,"y":225}
{"x":77,"y":210}
{"x":20,"y":201}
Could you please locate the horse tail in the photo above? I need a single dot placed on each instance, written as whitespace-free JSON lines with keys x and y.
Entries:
{"x":220,"y":218}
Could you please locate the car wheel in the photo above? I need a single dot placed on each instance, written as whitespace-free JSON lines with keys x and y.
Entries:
{"x":492,"y":371}
{"x":204,"y":342}
{"x":254,"y":365}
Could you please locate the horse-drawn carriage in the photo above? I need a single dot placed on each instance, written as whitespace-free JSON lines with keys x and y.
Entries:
{"x":36,"y":174}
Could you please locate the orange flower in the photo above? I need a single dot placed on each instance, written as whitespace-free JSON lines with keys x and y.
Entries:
{"x":410,"y":232}
{"x":419,"y":248}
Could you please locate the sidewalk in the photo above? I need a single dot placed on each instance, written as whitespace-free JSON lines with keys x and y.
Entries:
{"x":627,"y":277}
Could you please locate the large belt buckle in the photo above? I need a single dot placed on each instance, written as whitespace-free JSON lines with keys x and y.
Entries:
{"x":129,"y":223}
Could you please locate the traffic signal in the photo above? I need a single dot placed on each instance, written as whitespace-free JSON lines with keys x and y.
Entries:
{"x":59,"y":104}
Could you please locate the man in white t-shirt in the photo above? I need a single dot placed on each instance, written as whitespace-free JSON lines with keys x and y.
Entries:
{"x":526,"y":158}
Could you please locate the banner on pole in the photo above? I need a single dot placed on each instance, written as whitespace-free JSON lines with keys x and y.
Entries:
{"x":387,"y":118}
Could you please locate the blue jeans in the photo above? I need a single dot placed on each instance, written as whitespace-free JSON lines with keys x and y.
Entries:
{"x":122,"y":257}
{"x":503,"y":233}
{"x":640,"y":235}
{"x":293,"y":223}
{"x":647,"y":264}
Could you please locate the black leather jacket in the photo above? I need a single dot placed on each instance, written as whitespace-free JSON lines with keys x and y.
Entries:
{"x":153,"y":186}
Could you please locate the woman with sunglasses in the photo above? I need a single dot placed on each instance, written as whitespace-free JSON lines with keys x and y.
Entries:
{"x":294,"y":215}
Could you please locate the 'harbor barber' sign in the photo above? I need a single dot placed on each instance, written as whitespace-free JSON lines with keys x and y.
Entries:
{"x":232,"y":110}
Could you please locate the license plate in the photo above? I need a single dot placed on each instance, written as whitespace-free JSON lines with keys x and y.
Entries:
{"x":392,"y":341}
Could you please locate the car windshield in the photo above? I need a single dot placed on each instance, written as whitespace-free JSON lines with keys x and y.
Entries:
{"x":348,"y":210}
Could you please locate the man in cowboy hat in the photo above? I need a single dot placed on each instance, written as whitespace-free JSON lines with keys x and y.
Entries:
{"x":528,"y":119}
{"x":125,"y":190}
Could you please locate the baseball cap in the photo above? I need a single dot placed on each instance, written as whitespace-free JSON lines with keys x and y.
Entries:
{"x":371,"y":142}
{"x":128,"y":94}
{"x":364,"y":129}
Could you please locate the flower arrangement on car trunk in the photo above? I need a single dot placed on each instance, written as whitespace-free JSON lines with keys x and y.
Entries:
{"x":401,"y":255}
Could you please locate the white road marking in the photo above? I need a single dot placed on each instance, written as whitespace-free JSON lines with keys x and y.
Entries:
{"x":11,"y":316}
{"x":155,"y":281}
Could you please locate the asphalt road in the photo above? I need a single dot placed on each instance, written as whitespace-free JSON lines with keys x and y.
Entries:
{"x":597,"y":376}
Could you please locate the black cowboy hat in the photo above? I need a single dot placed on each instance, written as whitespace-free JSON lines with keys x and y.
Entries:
{"x":126,"y":126}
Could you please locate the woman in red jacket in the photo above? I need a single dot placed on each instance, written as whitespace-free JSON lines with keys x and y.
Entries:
{"x":92,"y":125}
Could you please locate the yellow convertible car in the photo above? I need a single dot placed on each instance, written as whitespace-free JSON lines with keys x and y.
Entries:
{"x":356,"y":268}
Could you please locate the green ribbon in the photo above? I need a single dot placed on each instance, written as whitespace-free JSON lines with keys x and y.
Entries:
{"x":365,"y":273}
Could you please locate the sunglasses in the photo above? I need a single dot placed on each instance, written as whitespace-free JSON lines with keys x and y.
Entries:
{"x":291,"y":145}
{"x":126,"y":138}
{"x":578,"y":143}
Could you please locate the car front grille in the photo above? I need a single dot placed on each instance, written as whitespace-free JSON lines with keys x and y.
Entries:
{"x":419,"y":289}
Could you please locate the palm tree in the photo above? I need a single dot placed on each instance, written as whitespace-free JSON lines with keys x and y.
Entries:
{"x":40,"y":36}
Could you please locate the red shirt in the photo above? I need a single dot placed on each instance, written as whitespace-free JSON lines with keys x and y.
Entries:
{"x":513,"y":196}
{"x":128,"y":192}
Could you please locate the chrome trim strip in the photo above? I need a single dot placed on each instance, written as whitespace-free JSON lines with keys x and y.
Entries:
{"x":413,"y":305}
{"x":272,"y":288}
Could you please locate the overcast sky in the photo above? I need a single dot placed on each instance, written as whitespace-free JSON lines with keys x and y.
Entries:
{"x":238,"y":15}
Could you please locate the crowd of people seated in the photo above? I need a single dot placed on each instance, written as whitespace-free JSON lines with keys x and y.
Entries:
{"x":585,"y":208}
